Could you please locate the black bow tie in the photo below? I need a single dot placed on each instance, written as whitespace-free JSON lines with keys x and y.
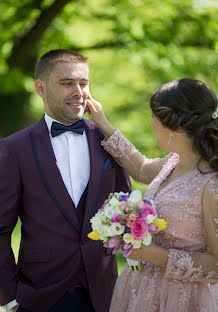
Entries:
{"x":58,"y":128}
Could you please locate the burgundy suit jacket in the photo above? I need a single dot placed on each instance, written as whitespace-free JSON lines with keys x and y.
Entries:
{"x":52,"y":242}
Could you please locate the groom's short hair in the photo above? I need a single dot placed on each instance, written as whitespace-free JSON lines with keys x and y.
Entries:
{"x":50,"y":59}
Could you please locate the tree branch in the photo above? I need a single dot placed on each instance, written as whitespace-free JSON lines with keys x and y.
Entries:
{"x":101,"y":45}
{"x":24,"y":49}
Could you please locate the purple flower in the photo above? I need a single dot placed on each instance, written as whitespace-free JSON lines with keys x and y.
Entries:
{"x":127,"y":229}
{"x":152,"y":229}
{"x":126,"y":249}
{"x":113,"y":242}
{"x":146,"y":201}
{"x":123,"y":197}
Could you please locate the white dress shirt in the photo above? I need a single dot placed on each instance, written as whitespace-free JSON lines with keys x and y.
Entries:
{"x":72,"y":158}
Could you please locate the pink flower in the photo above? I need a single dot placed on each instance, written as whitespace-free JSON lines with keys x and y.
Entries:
{"x":142,"y":219}
{"x":132,"y":217}
{"x":147,"y":210}
{"x":140,"y":204}
{"x":153,"y":211}
{"x":123,"y":205}
{"x":116,"y":218}
{"x":129,"y":224}
{"x":139,"y":229}
{"x":102,"y":207}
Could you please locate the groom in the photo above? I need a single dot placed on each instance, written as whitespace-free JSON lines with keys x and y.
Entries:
{"x":55,"y":176}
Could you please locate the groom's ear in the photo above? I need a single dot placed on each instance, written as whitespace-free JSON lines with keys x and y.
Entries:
{"x":40,"y":88}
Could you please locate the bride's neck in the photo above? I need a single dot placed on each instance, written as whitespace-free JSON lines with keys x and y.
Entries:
{"x":188,"y":160}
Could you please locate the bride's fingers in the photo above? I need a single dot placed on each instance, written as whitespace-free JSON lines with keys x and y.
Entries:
{"x":91,"y":106}
{"x":97,"y":105}
{"x":89,"y":96}
{"x":88,"y":110}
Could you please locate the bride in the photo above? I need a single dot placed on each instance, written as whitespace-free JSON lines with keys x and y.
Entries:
{"x":180,"y":267}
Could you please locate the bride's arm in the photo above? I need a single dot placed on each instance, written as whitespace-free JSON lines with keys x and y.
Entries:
{"x":140,"y":168}
{"x":137,"y":165}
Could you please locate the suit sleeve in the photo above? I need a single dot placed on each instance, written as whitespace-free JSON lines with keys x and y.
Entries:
{"x":10,"y":190}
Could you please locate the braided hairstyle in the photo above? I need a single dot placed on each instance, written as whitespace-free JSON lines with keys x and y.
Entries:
{"x":188,"y":104}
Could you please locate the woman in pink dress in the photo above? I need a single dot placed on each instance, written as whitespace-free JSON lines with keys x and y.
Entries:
{"x":180,"y":271}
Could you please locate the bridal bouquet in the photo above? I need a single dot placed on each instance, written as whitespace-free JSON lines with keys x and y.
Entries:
{"x":126,"y":221}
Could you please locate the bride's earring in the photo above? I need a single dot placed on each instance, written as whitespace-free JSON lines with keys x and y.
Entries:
{"x":170,"y":138}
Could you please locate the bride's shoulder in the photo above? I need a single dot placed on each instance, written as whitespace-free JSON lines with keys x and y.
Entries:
{"x":212,"y":186}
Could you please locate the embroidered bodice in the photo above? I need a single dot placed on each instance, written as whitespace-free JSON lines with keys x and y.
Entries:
{"x":192,"y":232}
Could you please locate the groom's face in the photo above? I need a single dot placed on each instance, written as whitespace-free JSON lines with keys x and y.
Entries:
{"x":66,"y":92}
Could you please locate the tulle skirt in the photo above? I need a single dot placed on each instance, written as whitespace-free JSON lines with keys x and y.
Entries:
{"x":149,"y":291}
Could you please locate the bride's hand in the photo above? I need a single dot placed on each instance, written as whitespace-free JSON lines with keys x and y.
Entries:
{"x":96,"y":111}
{"x":151,"y":253}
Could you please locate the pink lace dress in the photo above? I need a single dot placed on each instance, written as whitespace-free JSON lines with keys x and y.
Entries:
{"x":189,"y":282}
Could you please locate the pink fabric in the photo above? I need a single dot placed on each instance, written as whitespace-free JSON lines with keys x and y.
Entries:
{"x":173,"y":289}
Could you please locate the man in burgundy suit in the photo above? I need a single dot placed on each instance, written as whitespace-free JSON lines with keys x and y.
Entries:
{"x":55,"y":175}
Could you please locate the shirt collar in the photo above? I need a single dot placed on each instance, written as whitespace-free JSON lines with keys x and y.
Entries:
{"x":49,"y":120}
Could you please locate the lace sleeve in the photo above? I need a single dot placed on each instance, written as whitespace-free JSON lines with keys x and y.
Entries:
{"x":199,"y":266}
{"x":141,"y":169}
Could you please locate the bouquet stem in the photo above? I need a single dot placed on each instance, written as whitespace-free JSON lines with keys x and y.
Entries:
{"x":134,"y":265}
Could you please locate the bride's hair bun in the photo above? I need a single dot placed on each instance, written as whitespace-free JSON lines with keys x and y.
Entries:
{"x":189,"y":104}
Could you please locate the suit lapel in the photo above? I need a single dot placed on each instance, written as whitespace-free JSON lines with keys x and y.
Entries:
{"x":96,"y":153}
{"x":46,"y":162}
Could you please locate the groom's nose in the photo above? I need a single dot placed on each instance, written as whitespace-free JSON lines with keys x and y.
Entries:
{"x":76,"y":90}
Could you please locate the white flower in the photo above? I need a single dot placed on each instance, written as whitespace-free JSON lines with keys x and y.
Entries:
{"x":137,"y":243}
{"x":114,"y":202}
{"x":147,"y":239}
{"x":102,"y":237}
{"x":117,"y":228}
{"x":128,"y":238}
{"x":150,"y":218}
{"x":119,"y":211}
{"x":101,"y":228}
{"x":109,"y":211}
{"x":96,"y":222}
{"x":109,"y":231}
{"x":135,"y":196}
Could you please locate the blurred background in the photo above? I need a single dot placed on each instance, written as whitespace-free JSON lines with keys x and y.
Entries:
{"x":133,"y":46}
